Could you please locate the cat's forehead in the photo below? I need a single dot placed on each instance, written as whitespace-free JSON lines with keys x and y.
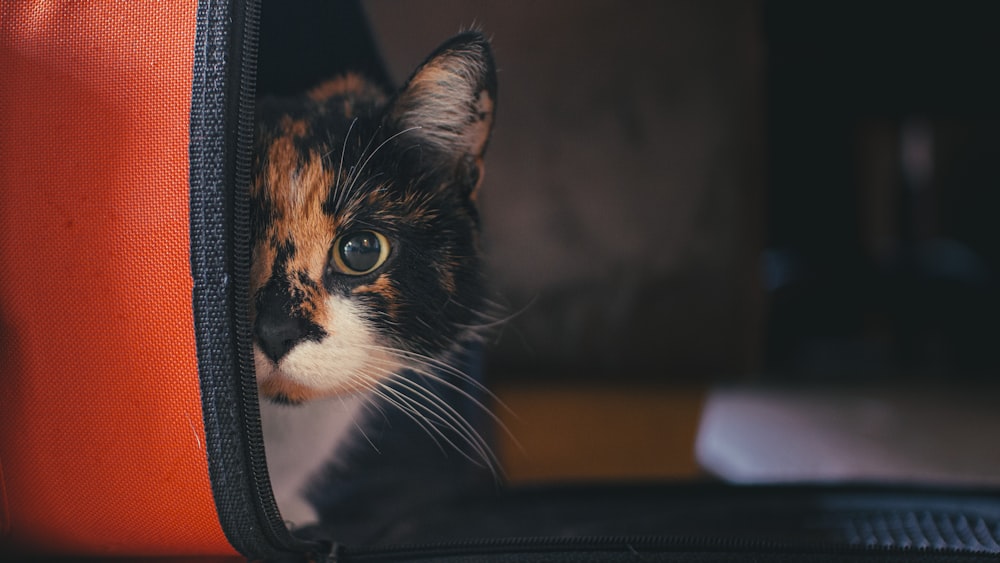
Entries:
{"x":310,"y":147}
{"x":322,"y":121}
{"x":294,"y":181}
{"x":322,"y":113}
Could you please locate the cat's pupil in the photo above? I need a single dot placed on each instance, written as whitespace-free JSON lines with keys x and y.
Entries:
{"x":360,"y":251}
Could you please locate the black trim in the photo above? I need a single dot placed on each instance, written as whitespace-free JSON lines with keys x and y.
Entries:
{"x":700,"y":522}
{"x":222,"y":106}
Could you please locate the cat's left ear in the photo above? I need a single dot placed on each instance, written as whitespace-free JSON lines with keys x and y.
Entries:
{"x":445,"y":111}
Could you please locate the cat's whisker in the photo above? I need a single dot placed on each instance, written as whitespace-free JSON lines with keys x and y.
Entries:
{"x":394,"y":376}
{"x":449,"y":418}
{"x":504,"y":322}
{"x":360,"y":188}
{"x":484,"y":408}
{"x":483,"y":325}
{"x":430,"y":374}
{"x":385,"y":142}
{"x":353,"y":173}
{"x":413,"y":407}
{"x":481,"y":455}
{"x":433,"y":363}
{"x":368,"y":404}
{"x":343,"y":149}
{"x":378,"y":389}
{"x":350,"y":188}
{"x":427,"y":393}
{"x":494,"y":321}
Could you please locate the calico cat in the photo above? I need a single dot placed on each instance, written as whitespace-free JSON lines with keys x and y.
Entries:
{"x":366,"y":274}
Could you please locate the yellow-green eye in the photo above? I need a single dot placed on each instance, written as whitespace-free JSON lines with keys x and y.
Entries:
{"x":360,"y":252}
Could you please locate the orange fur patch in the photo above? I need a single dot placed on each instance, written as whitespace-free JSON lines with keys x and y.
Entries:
{"x":351,"y":85}
{"x":296,"y":190}
{"x":382,"y":286}
{"x":294,"y":127}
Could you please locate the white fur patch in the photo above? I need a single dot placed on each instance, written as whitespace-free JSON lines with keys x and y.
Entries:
{"x":300,"y":440}
{"x":345,"y":360}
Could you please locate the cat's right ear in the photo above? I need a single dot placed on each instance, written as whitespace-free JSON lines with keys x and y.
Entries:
{"x":444,"y":113}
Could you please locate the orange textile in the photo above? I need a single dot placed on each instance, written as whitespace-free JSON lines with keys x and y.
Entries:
{"x":102,"y":445}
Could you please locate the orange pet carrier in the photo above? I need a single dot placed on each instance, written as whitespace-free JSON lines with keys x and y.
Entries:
{"x":103,"y":447}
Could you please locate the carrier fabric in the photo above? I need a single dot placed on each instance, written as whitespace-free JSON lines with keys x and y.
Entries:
{"x":102,"y":444}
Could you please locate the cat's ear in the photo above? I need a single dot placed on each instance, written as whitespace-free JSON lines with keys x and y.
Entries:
{"x":445,"y":111}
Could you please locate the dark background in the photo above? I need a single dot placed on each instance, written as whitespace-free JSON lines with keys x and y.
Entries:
{"x":883,"y":188}
{"x":712,"y":190}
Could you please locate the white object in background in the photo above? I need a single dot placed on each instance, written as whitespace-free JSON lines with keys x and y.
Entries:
{"x":924,"y":435}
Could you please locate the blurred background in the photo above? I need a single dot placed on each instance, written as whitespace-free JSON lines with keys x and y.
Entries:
{"x":794,"y":200}
{"x":624,"y":195}
{"x":697,"y":191}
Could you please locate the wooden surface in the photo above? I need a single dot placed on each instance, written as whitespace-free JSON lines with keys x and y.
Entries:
{"x":587,"y":433}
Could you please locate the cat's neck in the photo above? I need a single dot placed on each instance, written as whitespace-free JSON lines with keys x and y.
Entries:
{"x":299,"y":441}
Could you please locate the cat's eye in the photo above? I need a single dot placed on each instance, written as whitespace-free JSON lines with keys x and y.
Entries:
{"x":360,"y":252}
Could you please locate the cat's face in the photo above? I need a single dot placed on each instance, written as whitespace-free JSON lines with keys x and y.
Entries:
{"x":365,"y":257}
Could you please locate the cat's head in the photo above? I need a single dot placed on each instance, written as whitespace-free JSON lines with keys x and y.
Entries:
{"x":365,"y":256}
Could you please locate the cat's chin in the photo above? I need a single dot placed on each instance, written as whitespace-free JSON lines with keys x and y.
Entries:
{"x":281,"y":388}
{"x":283,"y":391}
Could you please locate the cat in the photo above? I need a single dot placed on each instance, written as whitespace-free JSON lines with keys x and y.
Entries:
{"x":365,"y":259}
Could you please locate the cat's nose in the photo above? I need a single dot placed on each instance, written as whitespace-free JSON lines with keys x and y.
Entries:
{"x":277,"y":333}
{"x":276,"y":329}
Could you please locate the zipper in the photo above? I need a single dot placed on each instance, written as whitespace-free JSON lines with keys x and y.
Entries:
{"x":245,"y":56}
{"x":221,"y":130}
